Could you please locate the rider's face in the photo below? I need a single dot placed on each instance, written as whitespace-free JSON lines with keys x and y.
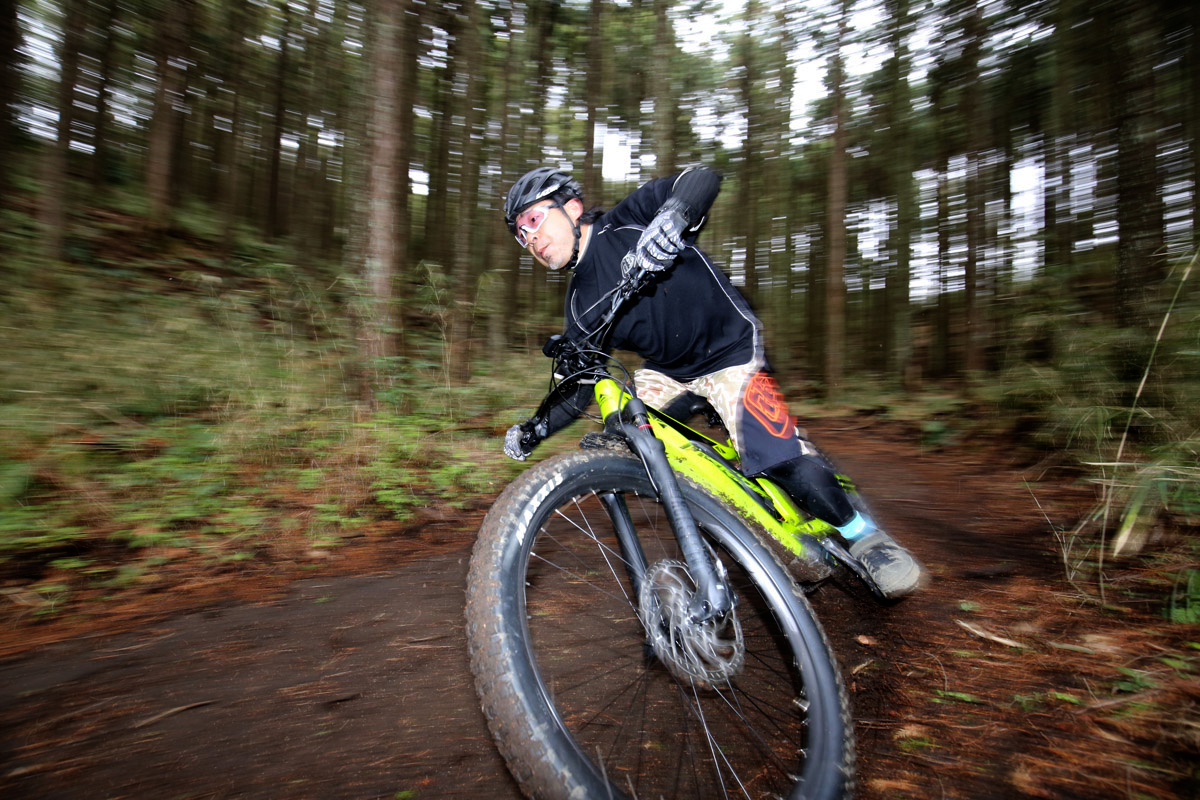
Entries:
{"x":554,"y":241}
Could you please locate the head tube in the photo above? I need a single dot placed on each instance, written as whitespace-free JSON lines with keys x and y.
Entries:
{"x":611,"y":396}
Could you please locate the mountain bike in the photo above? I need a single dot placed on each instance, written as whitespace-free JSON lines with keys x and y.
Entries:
{"x":636,"y":618}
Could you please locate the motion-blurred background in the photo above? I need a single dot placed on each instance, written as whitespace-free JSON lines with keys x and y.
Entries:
{"x":257,"y":295}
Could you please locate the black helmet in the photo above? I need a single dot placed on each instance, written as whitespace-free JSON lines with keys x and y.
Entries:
{"x":535,"y":185}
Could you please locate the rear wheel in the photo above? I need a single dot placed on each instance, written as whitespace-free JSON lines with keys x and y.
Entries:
{"x":588,"y":696}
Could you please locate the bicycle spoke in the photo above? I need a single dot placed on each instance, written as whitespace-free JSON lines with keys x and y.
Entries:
{"x":638,"y":697}
{"x":586,"y":555}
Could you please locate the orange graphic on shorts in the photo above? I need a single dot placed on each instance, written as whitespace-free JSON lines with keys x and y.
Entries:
{"x":764,"y":400}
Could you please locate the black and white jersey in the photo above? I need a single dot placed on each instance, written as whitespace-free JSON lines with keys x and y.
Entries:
{"x":687,"y":322}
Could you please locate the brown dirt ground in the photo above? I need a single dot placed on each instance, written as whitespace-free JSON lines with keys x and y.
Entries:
{"x":351,"y":680}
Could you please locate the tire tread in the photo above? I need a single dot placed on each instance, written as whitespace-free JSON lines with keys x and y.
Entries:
{"x":530,"y":756}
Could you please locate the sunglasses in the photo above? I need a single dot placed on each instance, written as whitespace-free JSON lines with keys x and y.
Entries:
{"x":528,"y":223}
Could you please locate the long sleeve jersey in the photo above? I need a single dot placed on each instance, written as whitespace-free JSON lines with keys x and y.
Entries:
{"x":689,"y":321}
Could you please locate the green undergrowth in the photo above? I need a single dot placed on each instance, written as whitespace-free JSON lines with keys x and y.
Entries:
{"x":176,"y":410}
{"x":160,"y":404}
{"x":1122,"y":404}
{"x":1077,"y":399}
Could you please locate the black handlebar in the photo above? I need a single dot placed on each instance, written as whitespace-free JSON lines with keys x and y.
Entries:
{"x":561,"y":345}
{"x":578,"y":358}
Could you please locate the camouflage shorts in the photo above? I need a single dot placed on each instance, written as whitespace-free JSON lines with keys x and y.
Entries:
{"x":749,"y":403}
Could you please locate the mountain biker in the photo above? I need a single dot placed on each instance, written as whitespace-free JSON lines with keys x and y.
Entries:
{"x":696,"y":333}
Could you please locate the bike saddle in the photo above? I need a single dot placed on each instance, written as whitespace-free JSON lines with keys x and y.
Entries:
{"x":688,"y":405}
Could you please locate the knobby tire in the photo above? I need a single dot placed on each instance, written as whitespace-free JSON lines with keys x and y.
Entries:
{"x":577,"y":701}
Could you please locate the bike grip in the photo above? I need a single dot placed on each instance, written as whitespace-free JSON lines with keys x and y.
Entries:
{"x":553,"y":346}
{"x":629,"y":264}
{"x":630,"y":268}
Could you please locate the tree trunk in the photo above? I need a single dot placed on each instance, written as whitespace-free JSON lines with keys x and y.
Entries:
{"x":182,"y":165}
{"x":465,"y":256}
{"x":1056,"y":144}
{"x":275,"y":223}
{"x":10,"y":87}
{"x":940,"y":354}
{"x":305,"y":192}
{"x":383,"y":144}
{"x":1191,"y":127}
{"x":1139,"y":210}
{"x":508,"y":305}
{"x":750,"y":180}
{"x":542,"y":52}
{"x":835,"y":287}
{"x":438,"y":246}
{"x":235,"y":34}
{"x":159,"y":156}
{"x":975,"y":122}
{"x":898,"y":312}
{"x":410,"y":47}
{"x":593,"y":179}
{"x":660,"y":87}
{"x":56,"y":199}
{"x":102,"y":158}
{"x":816,"y":187}
{"x":782,"y":252}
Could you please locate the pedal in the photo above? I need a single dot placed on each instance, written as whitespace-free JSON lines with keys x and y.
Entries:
{"x":841,"y":556}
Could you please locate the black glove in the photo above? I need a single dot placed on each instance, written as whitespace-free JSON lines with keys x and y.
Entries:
{"x":520,"y":440}
{"x":662,"y":240}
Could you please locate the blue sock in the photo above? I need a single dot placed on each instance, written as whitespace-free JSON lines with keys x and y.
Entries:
{"x":857,"y":527}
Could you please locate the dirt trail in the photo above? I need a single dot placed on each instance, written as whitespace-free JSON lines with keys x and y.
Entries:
{"x":348,"y":687}
{"x":358,"y":687}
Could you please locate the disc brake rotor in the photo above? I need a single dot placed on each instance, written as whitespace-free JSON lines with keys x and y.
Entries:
{"x":707,"y":652}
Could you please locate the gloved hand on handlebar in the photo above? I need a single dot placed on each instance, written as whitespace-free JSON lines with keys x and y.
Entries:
{"x":662,"y":240}
{"x":520,"y":440}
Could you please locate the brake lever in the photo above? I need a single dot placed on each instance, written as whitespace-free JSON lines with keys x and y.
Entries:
{"x":554,"y":346}
{"x":635,"y":279}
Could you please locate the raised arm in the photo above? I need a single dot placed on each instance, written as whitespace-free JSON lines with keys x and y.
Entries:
{"x":693,"y":191}
{"x":679,"y":217}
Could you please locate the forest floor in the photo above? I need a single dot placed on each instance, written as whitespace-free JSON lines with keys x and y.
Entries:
{"x":347,"y":677}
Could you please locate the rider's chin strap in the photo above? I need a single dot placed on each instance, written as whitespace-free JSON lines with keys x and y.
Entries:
{"x":575,"y":229}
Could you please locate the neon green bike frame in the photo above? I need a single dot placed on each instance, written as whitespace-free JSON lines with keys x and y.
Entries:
{"x":759,"y":501}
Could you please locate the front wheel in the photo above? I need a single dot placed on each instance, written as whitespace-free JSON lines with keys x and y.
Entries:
{"x":584,"y":701}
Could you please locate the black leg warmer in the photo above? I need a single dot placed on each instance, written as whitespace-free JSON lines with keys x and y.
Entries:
{"x":811,"y":482}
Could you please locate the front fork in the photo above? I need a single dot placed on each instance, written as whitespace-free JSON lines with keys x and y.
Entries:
{"x":712,"y":598}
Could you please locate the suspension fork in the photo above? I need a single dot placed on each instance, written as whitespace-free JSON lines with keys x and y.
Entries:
{"x":712,"y":597}
{"x":627,"y":539}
